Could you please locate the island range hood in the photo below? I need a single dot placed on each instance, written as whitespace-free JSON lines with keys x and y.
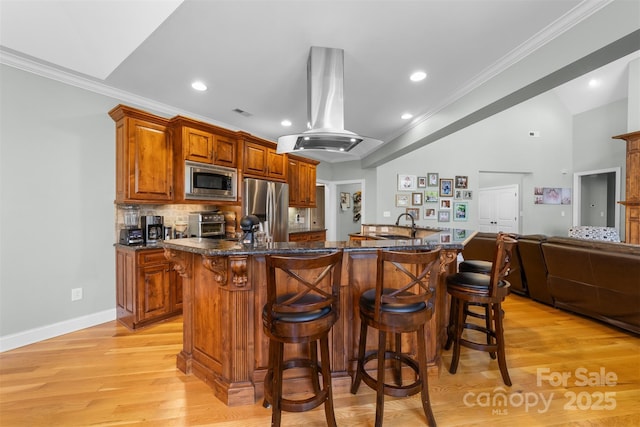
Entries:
{"x":325,"y":108}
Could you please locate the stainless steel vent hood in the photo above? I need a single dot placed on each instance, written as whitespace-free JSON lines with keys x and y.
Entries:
{"x":325,"y":109}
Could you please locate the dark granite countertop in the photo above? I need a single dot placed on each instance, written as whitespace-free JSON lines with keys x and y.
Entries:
{"x":306,"y":230}
{"x":447,"y":239}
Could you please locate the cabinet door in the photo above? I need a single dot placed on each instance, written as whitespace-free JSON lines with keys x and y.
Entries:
{"x":224,"y":151}
{"x":311,"y":182}
{"x":303,"y":178}
{"x":197,"y":145}
{"x":125,"y":286}
{"x":154,"y":291}
{"x":277,"y":165}
{"x":294,"y":183}
{"x":149,"y":162}
{"x":255,"y":159}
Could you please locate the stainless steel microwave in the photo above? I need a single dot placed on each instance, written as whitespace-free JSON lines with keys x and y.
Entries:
{"x":208,"y":182}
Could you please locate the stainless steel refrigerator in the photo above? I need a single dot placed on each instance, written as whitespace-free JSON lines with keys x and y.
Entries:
{"x":269,"y":201}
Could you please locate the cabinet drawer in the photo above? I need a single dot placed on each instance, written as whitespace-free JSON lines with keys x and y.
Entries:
{"x":151,"y":256}
{"x":318,"y":236}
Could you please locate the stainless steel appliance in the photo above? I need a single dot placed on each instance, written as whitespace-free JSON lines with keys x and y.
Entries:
{"x":269,"y":201}
{"x":207,"y":182}
{"x":207,"y":224}
{"x":152,"y":228}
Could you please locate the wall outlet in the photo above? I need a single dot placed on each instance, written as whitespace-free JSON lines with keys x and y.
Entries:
{"x":386,"y":214}
{"x":76,"y":294}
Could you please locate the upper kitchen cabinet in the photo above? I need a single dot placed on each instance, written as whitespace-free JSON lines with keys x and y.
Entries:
{"x":302,"y":182}
{"x":144,"y":157}
{"x":262,"y":161}
{"x":201,"y":142}
{"x":205,"y":143}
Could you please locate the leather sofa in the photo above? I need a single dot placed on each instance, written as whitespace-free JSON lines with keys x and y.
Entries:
{"x":593,"y":278}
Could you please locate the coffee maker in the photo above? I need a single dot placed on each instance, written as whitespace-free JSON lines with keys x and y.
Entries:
{"x":249,"y":224}
{"x":152,"y":228}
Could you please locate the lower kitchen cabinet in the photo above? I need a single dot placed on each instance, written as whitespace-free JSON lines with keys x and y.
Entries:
{"x":147,"y":288}
{"x":308,"y":236}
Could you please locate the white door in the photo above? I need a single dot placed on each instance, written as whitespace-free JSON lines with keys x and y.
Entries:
{"x":498,"y":209}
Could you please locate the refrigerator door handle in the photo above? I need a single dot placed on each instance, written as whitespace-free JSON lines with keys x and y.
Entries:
{"x":270,"y":207}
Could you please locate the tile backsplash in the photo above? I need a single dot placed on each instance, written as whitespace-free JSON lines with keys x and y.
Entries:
{"x":170,"y":213}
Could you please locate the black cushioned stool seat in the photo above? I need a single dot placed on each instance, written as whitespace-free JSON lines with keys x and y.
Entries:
{"x":475,"y":266}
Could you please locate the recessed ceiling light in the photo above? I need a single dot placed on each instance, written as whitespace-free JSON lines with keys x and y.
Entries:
{"x":594,"y":83}
{"x":286,"y":123}
{"x":418,"y":76}
{"x":406,"y":116}
{"x":199,"y":86}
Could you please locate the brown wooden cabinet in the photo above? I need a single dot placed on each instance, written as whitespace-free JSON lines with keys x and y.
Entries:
{"x":203,"y":143}
{"x":308,"y":236}
{"x":260,"y":160}
{"x":302,"y":182}
{"x":632,"y":188}
{"x":147,"y":288}
{"x":144,"y":157}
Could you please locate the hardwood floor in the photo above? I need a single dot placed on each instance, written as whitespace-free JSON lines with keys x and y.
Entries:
{"x":108,"y":376}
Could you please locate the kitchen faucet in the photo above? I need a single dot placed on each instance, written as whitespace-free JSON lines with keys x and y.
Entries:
{"x":413,"y":223}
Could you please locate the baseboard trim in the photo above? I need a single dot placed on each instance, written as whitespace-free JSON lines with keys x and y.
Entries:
{"x":20,"y":339}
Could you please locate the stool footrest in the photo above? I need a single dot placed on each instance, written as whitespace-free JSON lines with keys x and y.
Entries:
{"x":390,"y":389}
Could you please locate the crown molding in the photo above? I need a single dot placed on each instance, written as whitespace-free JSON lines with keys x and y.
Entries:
{"x":12,"y":59}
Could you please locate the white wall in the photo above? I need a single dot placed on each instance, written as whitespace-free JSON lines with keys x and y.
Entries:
{"x":498,"y":144}
{"x":592,"y":132}
{"x":57,"y":163}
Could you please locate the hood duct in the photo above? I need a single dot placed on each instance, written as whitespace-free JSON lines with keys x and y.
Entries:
{"x":325,"y":109}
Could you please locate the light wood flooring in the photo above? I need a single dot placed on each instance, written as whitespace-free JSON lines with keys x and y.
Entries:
{"x":108,"y":376}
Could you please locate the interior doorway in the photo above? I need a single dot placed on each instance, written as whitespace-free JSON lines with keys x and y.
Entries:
{"x":498,"y":209}
{"x":338,"y":228}
{"x":595,"y":197}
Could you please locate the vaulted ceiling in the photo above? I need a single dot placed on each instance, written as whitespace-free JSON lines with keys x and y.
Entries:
{"x":252,"y":55}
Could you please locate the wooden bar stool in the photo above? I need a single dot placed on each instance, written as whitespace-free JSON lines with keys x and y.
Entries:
{"x":488,"y":291}
{"x":302,"y":306}
{"x":400,"y":303}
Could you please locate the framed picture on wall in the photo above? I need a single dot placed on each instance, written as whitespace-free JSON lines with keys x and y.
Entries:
{"x":444,"y":216}
{"x":462,"y":181}
{"x":445,"y":203}
{"x":416,"y":199}
{"x":402,"y":200}
{"x":414,"y":212}
{"x":431,"y":196}
{"x":432,"y":179}
{"x":406,"y":182}
{"x":460,"y":211}
{"x":422,"y":181}
{"x":430,"y":213}
{"x":446,"y":187}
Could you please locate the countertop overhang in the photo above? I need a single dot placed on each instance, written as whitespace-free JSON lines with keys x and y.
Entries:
{"x":453,"y":239}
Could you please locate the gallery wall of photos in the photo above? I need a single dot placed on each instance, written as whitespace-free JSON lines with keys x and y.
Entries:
{"x":434,"y":198}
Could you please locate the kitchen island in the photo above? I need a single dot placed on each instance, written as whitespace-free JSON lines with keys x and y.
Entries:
{"x":224,"y":291}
